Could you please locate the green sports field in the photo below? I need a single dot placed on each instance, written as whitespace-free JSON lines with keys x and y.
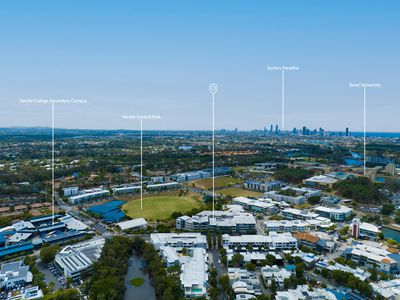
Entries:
{"x":159,"y":207}
{"x":220,"y":182}
{"x":237,"y":192}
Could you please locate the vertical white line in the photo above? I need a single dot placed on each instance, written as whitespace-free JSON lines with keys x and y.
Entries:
{"x":141,"y":164}
{"x":365,"y":129}
{"x":52,"y":163}
{"x":213,"y":152}
{"x":283,"y":99}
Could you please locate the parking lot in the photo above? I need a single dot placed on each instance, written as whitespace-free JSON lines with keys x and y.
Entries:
{"x":49,"y":276}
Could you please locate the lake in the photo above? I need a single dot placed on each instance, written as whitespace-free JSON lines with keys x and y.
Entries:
{"x":145,"y":291}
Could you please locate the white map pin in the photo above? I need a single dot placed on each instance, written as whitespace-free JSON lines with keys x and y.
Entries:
{"x":213,"y":87}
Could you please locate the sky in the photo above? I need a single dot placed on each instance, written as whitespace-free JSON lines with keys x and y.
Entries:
{"x":159,"y":57}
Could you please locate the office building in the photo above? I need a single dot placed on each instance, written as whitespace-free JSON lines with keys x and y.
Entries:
{"x":320,"y":181}
{"x":74,"y":260}
{"x":363,"y":230}
{"x":14,"y":274}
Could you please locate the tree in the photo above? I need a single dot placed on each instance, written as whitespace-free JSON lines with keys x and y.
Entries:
{"x":224,"y":282}
{"x":48,"y":253}
{"x":68,"y":294}
{"x":387,"y":209}
{"x":314,"y":200}
{"x":237,"y":260}
{"x":250,"y":267}
{"x":270,"y":259}
{"x":273,"y":286}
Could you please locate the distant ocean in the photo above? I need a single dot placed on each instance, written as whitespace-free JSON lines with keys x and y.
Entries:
{"x":376,"y":134}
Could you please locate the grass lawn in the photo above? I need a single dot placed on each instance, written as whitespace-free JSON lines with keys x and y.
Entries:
{"x":138,"y":281}
{"x":237,"y":192}
{"x":206,"y":183}
{"x":160,"y":206}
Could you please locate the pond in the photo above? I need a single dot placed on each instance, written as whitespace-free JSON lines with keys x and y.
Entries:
{"x":144,"y":291}
{"x":390,"y":233}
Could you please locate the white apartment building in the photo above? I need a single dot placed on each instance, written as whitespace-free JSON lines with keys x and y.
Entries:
{"x":179,"y":240}
{"x":297,"y":214}
{"x":258,"y":206}
{"x":337,"y":213}
{"x":303,"y":292}
{"x":287,"y":226}
{"x":273,"y":241}
{"x":224,"y":221}
{"x":371,"y":256}
{"x":126,"y":190}
{"x":274,"y":272}
{"x":88,"y":195}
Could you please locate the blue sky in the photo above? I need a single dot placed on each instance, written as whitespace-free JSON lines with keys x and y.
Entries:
{"x":158,"y":57}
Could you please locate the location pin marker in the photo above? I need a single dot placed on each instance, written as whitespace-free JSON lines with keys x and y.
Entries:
{"x":213,"y":87}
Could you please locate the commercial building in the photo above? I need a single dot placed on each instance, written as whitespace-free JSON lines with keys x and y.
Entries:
{"x":223,"y":221}
{"x":267,"y":166}
{"x":74,"y":260}
{"x":14,"y":274}
{"x":88,"y":195}
{"x":110,"y":211}
{"x":363,"y":230}
{"x":319,"y":241}
{"x":273,"y":241}
{"x":320,"y":181}
{"x":263,"y":186}
{"x":338,"y":213}
{"x":27,"y":293}
{"x":135,"y":224}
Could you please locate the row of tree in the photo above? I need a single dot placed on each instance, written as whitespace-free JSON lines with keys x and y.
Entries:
{"x":107,"y":281}
{"x":166,"y":284}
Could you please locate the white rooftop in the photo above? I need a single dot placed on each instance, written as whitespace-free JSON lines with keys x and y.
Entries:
{"x":139,"y":222}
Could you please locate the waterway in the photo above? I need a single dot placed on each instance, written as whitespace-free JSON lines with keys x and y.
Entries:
{"x":145,"y":291}
{"x":390,"y":233}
